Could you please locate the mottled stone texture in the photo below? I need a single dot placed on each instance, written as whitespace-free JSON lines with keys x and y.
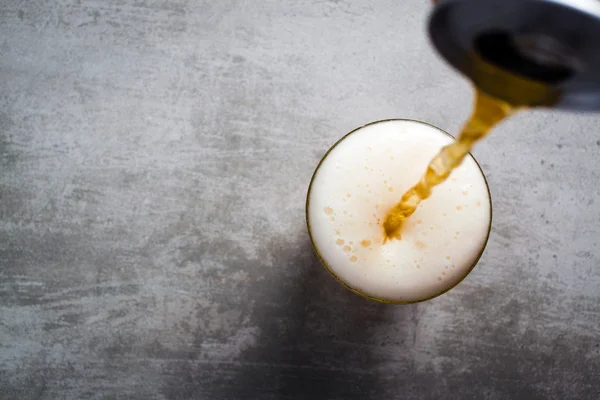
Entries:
{"x":154,"y":160}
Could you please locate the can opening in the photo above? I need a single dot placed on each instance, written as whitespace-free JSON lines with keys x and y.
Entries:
{"x":536,"y":57}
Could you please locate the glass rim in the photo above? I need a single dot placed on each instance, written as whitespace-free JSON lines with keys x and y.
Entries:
{"x":357,"y":291}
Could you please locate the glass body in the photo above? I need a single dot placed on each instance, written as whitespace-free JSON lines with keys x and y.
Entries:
{"x":358,"y":291}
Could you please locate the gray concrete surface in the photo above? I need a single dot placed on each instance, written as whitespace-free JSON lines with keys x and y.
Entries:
{"x":154,"y":159}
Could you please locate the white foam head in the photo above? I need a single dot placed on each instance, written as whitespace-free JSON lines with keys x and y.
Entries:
{"x":358,"y":182}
